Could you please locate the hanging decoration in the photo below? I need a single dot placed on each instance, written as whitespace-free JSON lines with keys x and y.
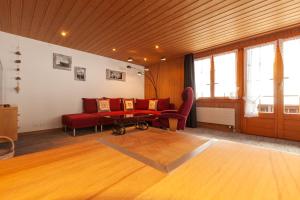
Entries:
{"x":18,"y":63}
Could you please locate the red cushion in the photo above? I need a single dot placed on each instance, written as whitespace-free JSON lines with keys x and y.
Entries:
{"x":141,"y":104}
{"x":81,"y":120}
{"x":115,"y":104}
{"x":163,"y":104}
{"x":89,"y":105}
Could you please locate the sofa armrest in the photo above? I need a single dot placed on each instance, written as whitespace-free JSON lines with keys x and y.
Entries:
{"x":169,"y":111}
{"x":172,"y":115}
{"x":171,"y":106}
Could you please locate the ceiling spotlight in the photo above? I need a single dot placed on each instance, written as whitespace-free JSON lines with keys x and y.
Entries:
{"x":163,"y":59}
{"x":140,"y":73}
{"x":114,"y":49}
{"x":128,"y":67}
{"x":129,"y":59}
{"x":145,"y":59}
{"x":156,"y":46}
{"x":146,"y":69}
{"x":63,"y":33}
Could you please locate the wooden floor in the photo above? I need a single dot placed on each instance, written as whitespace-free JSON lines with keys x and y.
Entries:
{"x":30,"y":143}
{"x":91,"y":170}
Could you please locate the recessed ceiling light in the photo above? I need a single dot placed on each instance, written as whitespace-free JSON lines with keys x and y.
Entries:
{"x":129,"y":59}
{"x":114,"y":49}
{"x":156,"y":46}
{"x":145,"y":59}
{"x":63,"y":33}
{"x":163,"y":59}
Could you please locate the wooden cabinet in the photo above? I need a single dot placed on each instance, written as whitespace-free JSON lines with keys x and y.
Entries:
{"x":9,"y":122}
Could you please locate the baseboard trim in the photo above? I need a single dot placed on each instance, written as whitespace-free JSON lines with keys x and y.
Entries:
{"x":40,"y":131}
{"x":219,"y":127}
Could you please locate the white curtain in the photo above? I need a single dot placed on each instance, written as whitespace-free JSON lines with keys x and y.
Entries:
{"x":259,"y":78}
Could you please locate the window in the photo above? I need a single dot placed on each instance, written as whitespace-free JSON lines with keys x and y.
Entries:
{"x":291,"y":72}
{"x":225,"y":75}
{"x":202,"y":77}
{"x":260,"y":79}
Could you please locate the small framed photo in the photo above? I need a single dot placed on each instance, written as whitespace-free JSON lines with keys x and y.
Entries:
{"x":62,"y":62}
{"x":115,"y":75}
{"x":80,"y":73}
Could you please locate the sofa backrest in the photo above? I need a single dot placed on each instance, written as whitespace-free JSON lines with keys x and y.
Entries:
{"x":116,"y":104}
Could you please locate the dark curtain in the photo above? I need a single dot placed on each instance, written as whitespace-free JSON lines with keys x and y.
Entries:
{"x":189,"y":81}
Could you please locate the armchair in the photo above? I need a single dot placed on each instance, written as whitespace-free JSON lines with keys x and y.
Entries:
{"x":178,"y":118}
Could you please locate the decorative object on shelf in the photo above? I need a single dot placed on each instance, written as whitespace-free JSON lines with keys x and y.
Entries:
{"x":115,"y":75}
{"x":80,"y":73}
{"x":18,"y":69}
{"x":62,"y":62}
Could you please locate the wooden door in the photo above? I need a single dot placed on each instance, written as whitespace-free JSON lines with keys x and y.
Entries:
{"x":265,"y":124}
{"x":283,"y":118}
{"x":289,"y":89}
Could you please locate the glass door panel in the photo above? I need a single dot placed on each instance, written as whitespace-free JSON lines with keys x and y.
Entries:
{"x":260,"y":79}
{"x":291,"y":76}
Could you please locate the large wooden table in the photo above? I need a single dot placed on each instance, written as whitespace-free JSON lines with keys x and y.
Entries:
{"x":91,"y":170}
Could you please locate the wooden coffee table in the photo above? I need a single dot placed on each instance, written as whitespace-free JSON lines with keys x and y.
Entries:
{"x":120,"y":122}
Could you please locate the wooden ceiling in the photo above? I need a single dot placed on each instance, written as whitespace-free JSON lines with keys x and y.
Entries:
{"x":134,"y":27}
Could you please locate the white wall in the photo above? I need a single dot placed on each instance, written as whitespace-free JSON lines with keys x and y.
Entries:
{"x":1,"y":83}
{"x":47,"y":93}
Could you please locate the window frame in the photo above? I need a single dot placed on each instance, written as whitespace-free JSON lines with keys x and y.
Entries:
{"x":235,"y":51}
{"x":203,"y":58}
{"x":212,"y":75}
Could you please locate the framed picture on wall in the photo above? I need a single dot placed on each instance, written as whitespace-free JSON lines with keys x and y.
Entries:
{"x":80,"y":73}
{"x":115,"y":75}
{"x":62,"y":62}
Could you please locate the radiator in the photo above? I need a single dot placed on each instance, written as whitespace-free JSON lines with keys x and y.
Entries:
{"x":224,"y":116}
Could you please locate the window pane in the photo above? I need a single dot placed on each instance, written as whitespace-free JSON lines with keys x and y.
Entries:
{"x":260,"y":81}
{"x":225,"y":75}
{"x":291,"y":72}
{"x":202,"y":77}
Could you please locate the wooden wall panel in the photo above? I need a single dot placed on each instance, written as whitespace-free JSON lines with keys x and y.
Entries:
{"x":135,"y":27}
{"x":170,"y":80}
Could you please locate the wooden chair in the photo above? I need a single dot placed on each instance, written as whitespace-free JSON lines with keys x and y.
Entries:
{"x":8,"y":152}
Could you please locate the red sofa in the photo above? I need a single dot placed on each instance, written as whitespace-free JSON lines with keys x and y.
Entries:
{"x":90,"y":117}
